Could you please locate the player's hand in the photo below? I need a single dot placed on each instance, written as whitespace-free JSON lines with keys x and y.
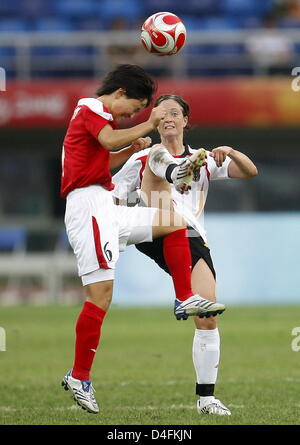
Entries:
{"x":219,"y":154}
{"x":157,"y":114}
{"x":140,"y":144}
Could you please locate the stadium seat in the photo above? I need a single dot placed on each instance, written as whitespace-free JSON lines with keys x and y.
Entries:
{"x":13,"y":24}
{"x":37,"y":8}
{"x":89,"y":24}
{"x":65,"y":271}
{"x":76,"y":8}
{"x":10,"y":7}
{"x":47,"y":24}
{"x":297,"y":48}
{"x":197,"y":8}
{"x":62,"y":244}
{"x":250,"y":22}
{"x":152,"y":6}
{"x":220,"y":23}
{"x":191,"y":23}
{"x":13,"y":239}
{"x":13,"y":242}
{"x":7,"y":52}
{"x":289,"y":23}
{"x":246,"y":7}
{"x":109,"y":9}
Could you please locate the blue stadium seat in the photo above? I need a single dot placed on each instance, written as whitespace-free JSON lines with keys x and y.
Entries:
{"x":197,"y":8}
{"x":76,"y":8}
{"x":10,"y":6}
{"x":220,"y":23}
{"x":54,"y":24}
{"x":152,"y":6}
{"x":7,"y":51}
{"x":191,"y":22}
{"x":110,"y":9}
{"x":13,"y":239}
{"x":62,"y":242}
{"x":246,"y":7}
{"x":89,"y":24}
{"x":62,"y":52}
{"x":289,"y":23}
{"x":250,"y":22}
{"x":37,"y":8}
{"x":13,"y":242}
{"x":13,"y":24}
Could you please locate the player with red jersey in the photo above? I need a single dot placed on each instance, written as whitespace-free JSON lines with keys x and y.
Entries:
{"x":98,"y":229}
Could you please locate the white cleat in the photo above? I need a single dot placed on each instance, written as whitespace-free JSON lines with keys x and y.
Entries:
{"x":213,"y":407}
{"x":196,"y":305}
{"x":188,"y":170}
{"x":83,"y":392}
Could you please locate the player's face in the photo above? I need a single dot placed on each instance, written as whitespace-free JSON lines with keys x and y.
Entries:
{"x":172,"y":125}
{"x":124,"y":107}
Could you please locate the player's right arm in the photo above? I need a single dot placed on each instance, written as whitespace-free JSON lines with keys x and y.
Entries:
{"x":111,"y":139}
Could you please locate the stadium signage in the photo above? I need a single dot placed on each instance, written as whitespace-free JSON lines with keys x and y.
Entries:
{"x":234,"y":102}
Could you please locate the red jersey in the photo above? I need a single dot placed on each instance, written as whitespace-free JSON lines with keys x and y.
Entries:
{"x":84,"y":161}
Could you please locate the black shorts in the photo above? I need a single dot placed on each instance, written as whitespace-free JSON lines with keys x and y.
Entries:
{"x":199,"y":249}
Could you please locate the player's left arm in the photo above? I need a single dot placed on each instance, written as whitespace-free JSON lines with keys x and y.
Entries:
{"x":117,"y":158}
{"x":240,"y":165}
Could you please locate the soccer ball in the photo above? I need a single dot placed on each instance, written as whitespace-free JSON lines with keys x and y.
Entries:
{"x":163,"y":34}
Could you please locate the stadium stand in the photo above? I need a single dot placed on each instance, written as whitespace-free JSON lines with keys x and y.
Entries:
{"x":19,"y":267}
{"x":215,"y":27}
{"x":13,"y":241}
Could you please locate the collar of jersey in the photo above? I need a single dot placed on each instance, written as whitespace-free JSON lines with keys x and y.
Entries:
{"x":185,"y":153}
{"x":96,"y":106}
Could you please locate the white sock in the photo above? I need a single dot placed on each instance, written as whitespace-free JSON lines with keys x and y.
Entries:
{"x":206,"y":400}
{"x":159,"y":161}
{"x":206,"y":355}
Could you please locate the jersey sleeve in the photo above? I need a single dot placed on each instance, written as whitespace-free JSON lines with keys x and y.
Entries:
{"x":129,"y":178}
{"x":94,"y":122}
{"x":217,"y":172}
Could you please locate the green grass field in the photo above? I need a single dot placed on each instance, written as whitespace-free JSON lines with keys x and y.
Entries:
{"x":143,"y":371}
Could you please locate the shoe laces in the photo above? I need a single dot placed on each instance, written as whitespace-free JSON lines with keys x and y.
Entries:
{"x":87,"y":386}
{"x":216,"y":406}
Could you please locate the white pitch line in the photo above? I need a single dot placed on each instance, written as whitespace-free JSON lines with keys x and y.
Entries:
{"x":291,"y":379}
{"x":150,"y":407}
{"x":138,"y":408}
{"x":146,"y":382}
{"x":8,"y":409}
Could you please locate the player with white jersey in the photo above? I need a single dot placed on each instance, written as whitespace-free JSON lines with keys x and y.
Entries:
{"x":98,"y":229}
{"x":189,"y":205}
{"x":150,"y":173}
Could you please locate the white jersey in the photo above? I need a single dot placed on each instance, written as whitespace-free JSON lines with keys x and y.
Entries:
{"x":190,"y":205}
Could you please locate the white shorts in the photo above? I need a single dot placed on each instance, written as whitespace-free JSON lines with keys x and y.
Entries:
{"x":98,"y":230}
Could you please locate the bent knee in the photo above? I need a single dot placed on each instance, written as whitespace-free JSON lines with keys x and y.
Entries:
{"x":100,"y":293}
{"x":205,"y":323}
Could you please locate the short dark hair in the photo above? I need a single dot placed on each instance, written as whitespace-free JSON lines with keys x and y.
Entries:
{"x":184,"y":105}
{"x":133,"y":79}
